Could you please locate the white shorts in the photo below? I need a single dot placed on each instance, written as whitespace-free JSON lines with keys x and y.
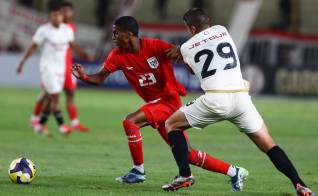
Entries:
{"x":52,"y":82}
{"x":237,"y":108}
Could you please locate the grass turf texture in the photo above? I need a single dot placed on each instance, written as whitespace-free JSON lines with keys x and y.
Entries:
{"x":88,"y":163}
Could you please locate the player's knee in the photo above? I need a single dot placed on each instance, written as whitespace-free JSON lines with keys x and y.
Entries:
{"x":169,"y":126}
{"x":263,"y":139}
{"x":130,"y":119}
{"x":42,"y":98}
{"x":131,"y":129}
{"x":69,"y":95}
{"x":69,"y":102}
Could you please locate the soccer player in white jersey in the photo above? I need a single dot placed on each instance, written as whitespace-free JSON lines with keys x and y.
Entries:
{"x":212,"y":56}
{"x":55,"y":38}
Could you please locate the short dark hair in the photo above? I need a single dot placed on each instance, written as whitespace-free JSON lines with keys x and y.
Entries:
{"x":67,"y":4}
{"x":196,"y":17}
{"x":127,"y":23}
{"x":55,"y":7}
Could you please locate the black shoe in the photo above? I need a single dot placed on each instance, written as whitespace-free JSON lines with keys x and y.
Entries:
{"x":179,"y":182}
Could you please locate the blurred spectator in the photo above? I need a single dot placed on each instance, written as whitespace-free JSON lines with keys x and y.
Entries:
{"x":197,"y":3}
{"x":102,"y":12}
{"x":284,"y":19}
{"x":1,"y":46}
{"x":26,"y":3}
{"x":14,"y":45}
{"x":161,"y":9}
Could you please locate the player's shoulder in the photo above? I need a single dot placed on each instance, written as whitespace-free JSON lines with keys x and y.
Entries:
{"x":66,"y":27}
{"x":218,"y":28}
{"x":71,"y":25}
{"x":44,"y":27}
{"x":211,"y":31}
{"x":115,"y":53}
{"x":152,"y":41}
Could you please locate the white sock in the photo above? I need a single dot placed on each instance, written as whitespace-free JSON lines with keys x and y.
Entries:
{"x":140,"y":168}
{"x":232,"y":171}
{"x":74,"y":122}
{"x":33,"y":118}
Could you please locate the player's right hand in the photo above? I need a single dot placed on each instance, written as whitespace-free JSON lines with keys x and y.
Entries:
{"x":174,"y":53}
{"x":78,"y":71}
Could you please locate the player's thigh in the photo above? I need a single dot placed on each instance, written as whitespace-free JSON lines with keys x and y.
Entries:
{"x":177,"y":122}
{"x":199,"y":113}
{"x":138,"y":117}
{"x":245,"y":115}
{"x":157,"y":113}
{"x":52,"y":82}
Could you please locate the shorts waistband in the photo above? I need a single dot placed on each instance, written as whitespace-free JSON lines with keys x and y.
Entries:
{"x":246,"y":89}
{"x":227,"y":91}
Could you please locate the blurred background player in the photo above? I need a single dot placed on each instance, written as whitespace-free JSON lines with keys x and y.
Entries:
{"x":211,"y":54}
{"x":150,"y":73}
{"x":56,"y":37}
{"x":70,"y":80}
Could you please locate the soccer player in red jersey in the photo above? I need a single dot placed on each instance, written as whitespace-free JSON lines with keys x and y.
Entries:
{"x":70,"y":80}
{"x":150,"y":73}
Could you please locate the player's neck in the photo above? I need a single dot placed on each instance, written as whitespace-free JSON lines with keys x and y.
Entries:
{"x":135,"y":45}
{"x":201,"y":29}
{"x":55,"y":25}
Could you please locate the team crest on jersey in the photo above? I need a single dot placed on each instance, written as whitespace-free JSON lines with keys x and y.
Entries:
{"x":153,"y":62}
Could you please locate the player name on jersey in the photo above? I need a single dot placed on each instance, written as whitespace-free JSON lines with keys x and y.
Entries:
{"x":207,"y":39}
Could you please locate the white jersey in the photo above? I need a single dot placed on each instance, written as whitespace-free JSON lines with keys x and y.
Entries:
{"x":55,"y":44}
{"x":212,"y":56}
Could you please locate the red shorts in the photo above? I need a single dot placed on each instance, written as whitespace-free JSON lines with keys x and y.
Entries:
{"x":70,"y":81}
{"x":157,"y":112}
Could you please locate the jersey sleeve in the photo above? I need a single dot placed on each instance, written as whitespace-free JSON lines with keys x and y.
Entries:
{"x":38,"y":37}
{"x":71,"y":34}
{"x":111,"y":62}
{"x":183,"y":53}
{"x":161,"y":47}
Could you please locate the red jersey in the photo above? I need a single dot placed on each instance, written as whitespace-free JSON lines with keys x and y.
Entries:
{"x":148,"y":71}
{"x":69,"y":57}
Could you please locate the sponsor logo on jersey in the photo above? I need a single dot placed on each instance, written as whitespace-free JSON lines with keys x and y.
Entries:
{"x":207,"y":39}
{"x":130,"y":68}
{"x":153,"y":62}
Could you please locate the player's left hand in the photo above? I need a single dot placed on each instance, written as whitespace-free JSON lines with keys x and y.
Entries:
{"x":174,"y":53}
{"x":78,"y":71}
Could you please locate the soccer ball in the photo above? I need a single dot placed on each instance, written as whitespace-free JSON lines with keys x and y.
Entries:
{"x":22,"y":171}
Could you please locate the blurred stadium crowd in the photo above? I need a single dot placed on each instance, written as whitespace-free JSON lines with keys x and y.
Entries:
{"x":289,"y":15}
{"x":279,"y":56}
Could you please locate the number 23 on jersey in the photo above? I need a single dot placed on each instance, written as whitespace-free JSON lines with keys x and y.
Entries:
{"x":147,"y":79}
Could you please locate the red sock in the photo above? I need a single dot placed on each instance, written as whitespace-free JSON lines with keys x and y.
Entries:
{"x":206,"y":161}
{"x":134,"y":141}
{"x":37,"y":108}
{"x":72,"y":111}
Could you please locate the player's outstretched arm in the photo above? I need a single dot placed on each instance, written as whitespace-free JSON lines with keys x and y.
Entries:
{"x":174,"y":53}
{"x":80,"y":52}
{"x":27,"y":55}
{"x":96,"y":79}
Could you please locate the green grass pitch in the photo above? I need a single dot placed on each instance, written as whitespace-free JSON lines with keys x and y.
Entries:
{"x":88,"y":163}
